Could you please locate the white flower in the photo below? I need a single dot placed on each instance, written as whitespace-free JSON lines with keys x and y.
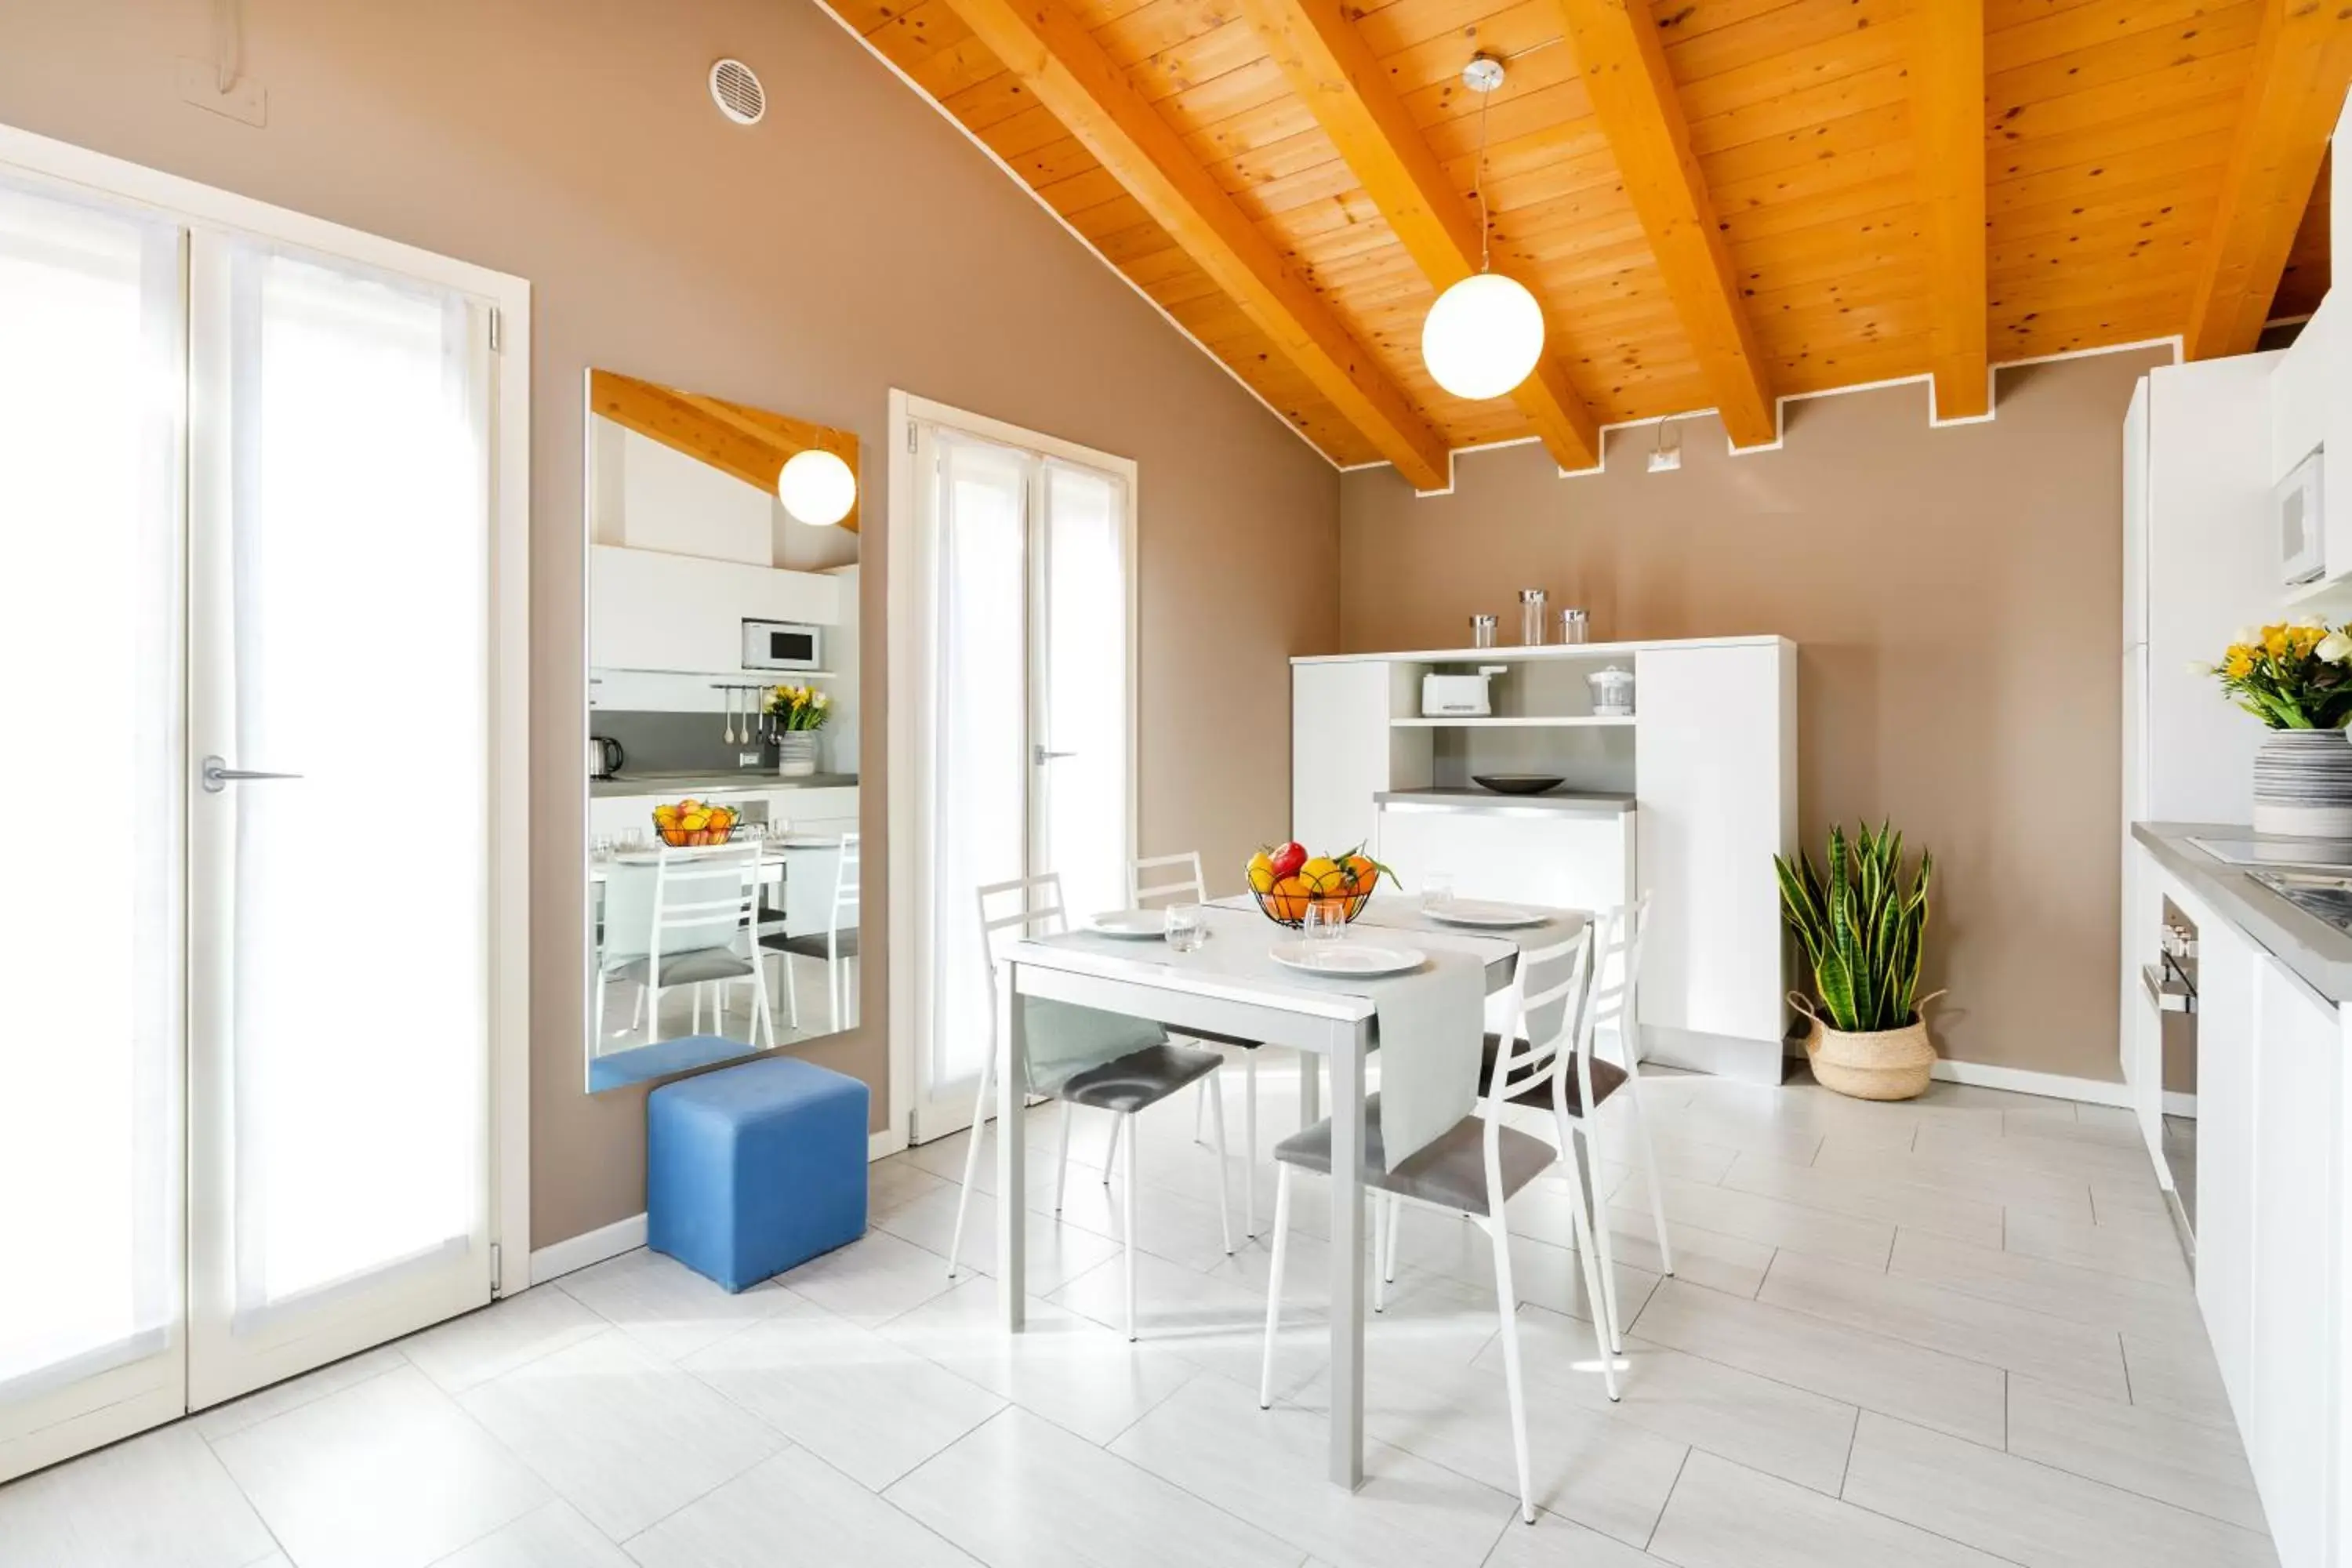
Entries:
{"x":2335,"y":648}
{"x":2245,"y":637}
{"x":2308,"y":624}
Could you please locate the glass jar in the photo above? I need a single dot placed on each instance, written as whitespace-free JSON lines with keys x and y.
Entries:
{"x":1482,"y":631}
{"x":1574,"y":626}
{"x":1531,"y":617}
{"x":1612,"y":693}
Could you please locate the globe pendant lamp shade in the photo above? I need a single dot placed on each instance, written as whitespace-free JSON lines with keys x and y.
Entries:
{"x":1483,"y":337}
{"x":817,"y":487}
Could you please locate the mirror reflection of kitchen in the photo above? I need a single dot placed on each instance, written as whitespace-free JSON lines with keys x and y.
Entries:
{"x":723,"y":730}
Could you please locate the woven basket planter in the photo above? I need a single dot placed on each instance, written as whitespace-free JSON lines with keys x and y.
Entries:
{"x":1885,"y":1063}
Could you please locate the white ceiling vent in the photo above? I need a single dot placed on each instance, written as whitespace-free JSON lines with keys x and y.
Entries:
{"x":737,"y":92}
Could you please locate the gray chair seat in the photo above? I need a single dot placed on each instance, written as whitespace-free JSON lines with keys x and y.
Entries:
{"x":1139,"y":1079}
{"x":1212,"y":1037}
{"x":1451,"y":1172}
{"x":1607,"y":1078}
{"x":815,"y":944}
{"x":690,"y":968}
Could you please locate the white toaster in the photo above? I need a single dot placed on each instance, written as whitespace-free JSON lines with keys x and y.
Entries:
{"x":1456,"y":696}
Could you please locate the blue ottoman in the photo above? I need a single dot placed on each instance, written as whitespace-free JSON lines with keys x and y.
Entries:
{"x":753,"y":1169}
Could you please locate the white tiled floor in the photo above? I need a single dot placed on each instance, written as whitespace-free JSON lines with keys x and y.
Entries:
{"x":1952,"y":1332}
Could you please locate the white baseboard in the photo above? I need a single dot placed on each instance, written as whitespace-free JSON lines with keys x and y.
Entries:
{"x":2019,"y":1081}
{"x":627,"y":1234}
{"x":578,"y":1252}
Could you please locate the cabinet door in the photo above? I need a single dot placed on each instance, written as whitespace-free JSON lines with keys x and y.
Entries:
{"x":1340,"y":748}
{"x":2227,"y":1030}
{"x":2297,"y":1301}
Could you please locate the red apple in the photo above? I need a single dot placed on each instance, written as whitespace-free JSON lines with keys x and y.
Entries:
{"x":1288,"y":859}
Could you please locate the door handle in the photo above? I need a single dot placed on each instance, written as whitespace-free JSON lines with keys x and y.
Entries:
{"x":218,"y":775}
{"x":1042,"y":756}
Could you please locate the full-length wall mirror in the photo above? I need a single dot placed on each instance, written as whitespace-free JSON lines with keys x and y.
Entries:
{"x":723,"y":863}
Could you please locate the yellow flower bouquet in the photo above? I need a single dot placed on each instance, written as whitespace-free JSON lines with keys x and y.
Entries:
{"x":2298,"y":676}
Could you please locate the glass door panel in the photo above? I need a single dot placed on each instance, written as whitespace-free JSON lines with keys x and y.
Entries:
{"x":1084,"y":796}
{"x":341,"y":988}
{"x":91,"y":1342}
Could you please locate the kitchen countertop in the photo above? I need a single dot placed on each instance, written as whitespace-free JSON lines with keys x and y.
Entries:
{"x":2315,"y":951}
{"x":1588,"y":803}
{"x":745,"y":781}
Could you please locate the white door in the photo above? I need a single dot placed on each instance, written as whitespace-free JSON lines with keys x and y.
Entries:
{"x":92,"y":1344}
{"x":340,"y":998}
{"x":1025,"y":750}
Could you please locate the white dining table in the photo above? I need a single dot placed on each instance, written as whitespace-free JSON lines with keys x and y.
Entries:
{"x":1224,"y":987}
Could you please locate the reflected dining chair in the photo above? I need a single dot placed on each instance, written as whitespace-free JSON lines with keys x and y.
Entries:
{"x":1184,"y":884}
{"x":836,"y":945}
{"x":1125,"y":1085}
{"x":1474,"y":1168}
{"x":1592,"y":1081}
{"x":675,"y":921}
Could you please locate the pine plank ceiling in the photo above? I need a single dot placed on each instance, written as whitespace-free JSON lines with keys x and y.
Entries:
{"x":1718,"y":202}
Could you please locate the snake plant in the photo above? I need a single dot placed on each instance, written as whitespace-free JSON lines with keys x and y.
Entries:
{"x":1863,"y":929}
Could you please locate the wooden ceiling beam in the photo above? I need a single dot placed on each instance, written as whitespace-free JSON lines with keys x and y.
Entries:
{"x":1050,"y":51}
{"x":1947,"y":120}
{"x":1633,"y":97}
{"x":2303,"y":61}
{"x":1330,"y":65}
{"x":746,"y":444}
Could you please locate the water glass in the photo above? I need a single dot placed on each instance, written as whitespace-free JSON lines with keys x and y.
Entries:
{"x":1188,"y":927}
{"x":1326,"y":920}
{"x":1437,"y":893}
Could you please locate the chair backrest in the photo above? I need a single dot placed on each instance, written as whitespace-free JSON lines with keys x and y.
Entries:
{"x":1175,"y":879}
{"x":689,"y":898}
{"x":1617,"y":968}
{"x":1035,"y":911}
{"x":1550,"y":1011}
{"x":846,"y":891}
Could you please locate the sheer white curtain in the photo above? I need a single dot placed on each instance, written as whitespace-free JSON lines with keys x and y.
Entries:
{"x":91,"y":669}
{"x":980,"y":680}
{"x":359,"y":581}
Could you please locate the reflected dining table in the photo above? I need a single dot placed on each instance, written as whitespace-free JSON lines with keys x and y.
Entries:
{"x":1229,"y":986}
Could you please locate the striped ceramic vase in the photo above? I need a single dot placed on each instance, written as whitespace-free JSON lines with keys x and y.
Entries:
{"x":2303,"y":785}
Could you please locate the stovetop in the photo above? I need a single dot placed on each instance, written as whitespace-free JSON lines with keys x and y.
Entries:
{"x":2322,"y":896}
{"x":2330,"y":853}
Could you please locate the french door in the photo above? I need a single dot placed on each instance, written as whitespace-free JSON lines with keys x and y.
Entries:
{"x":246,"y":543}
{"x":1023,"y":653}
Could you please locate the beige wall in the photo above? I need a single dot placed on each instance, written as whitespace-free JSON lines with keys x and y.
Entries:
{"x":1956,"y":598}
{"x":851,"y":243}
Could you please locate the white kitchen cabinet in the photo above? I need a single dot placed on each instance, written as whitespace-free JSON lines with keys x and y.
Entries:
{"x":1528,"y":854}
{"x":2290,"y":1414}
{"x":648,"y":610}
{"x":2228,"y":988}
{"x":1343,"y":750}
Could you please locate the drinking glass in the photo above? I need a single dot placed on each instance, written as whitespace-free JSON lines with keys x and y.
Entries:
{"x":1437,"y":893}
{"x":1188,"y":927}
{"x":1326,"y":920}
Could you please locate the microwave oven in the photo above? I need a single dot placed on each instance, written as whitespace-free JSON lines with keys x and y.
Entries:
{"x":2301,"y":523}
{"x":783,"y":645}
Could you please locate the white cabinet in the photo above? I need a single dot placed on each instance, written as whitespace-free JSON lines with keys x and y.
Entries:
{"x":1343,"y":751}
{"x":648,"y":610}
{"x":2290,"y":1411}
{"x":2228,"y":1009}
{"x":1531,"y":855}
{"x":1715,"y":760}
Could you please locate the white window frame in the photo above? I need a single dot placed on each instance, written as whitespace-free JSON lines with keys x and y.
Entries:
{"x":41,"y":160}
{"x":913,"y":719}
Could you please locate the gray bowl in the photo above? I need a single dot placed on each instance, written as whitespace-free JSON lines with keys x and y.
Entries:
{"x":1518,"y":783}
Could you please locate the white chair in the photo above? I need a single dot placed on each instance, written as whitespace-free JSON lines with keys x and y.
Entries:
{"x":1474,"y":1168}
{"x":1185,"y":885}
{"x":1617,"y":972}
{"x":836,"y":945}
{"x":1124,"y":1086}
{"x":675,"y":921}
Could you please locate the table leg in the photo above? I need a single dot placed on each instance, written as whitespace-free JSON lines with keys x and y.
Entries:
{"x":1346,"y":1056}
{"x":1012,"y":1149}
{"x":1310,"y":1091}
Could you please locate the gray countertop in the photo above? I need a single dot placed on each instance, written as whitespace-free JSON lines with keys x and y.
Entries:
{"x":1588,"y":803}
{"x":746,"y":780}
{"x":2315,"y":949}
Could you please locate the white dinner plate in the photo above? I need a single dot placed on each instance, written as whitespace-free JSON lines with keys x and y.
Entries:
{"x":1470,"y":912}
{"x":1353,"y":959}
{"x":1143,"y":925}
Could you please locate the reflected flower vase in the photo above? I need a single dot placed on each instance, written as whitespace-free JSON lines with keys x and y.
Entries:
{"x":796,"y":753}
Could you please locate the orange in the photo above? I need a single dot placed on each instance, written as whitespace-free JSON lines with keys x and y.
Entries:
{"x":1362,"y":875}
{"x":1289,"y":899}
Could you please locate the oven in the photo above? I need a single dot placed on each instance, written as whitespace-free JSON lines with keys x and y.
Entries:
{"x":2172,"y":985}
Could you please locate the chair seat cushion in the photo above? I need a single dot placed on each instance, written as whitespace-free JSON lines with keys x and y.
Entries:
{"x":1139,"y":1079}
{"x":689,"y":968}
{"x":1607,"y":1078}
{"x":753,"y":1169}
{"x":1450,"y":1172}
{"x":815,"y":944}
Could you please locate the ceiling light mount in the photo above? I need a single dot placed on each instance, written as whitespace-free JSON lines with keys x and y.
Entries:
{"x":1484,"y":74}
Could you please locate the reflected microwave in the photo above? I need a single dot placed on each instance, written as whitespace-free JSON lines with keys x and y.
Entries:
{"x":2302,"y":525}
{"x":783,"y":645}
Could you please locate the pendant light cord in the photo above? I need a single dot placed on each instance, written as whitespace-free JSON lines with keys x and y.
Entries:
{"x":1485,"y":245}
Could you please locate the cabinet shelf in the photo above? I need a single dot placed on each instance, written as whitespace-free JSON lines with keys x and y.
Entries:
{"x":1538,"y":721}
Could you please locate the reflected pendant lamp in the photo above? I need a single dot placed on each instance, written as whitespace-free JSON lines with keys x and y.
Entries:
{"x":817,"y":487}
{"x":1483,"y":335}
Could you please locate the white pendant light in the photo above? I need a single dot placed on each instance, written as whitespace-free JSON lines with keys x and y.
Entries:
{"x":817,"y":487}
{"x":1485,"y":334}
